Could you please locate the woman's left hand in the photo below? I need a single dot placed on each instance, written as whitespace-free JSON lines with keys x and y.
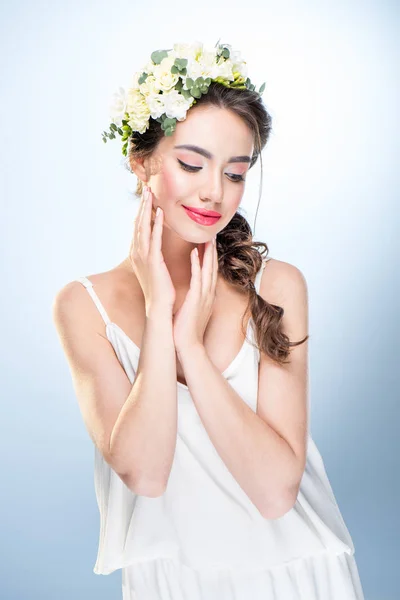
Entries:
{"x":190,"y":321}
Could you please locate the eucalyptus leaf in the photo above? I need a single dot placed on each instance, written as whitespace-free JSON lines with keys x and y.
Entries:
{"x":158,"y":55}
{"x":181,"y":63}
{"x":195,"y":92}
{"x":142,"y":78}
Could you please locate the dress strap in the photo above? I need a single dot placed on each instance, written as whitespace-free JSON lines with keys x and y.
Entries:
{"x":257,"y":281}
{"x":89,"y":286}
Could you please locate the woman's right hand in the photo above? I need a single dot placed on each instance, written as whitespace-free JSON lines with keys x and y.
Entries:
{"x":147,"y":260}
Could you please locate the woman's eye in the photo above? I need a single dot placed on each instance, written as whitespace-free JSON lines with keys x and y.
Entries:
{"x":192,"y":169}
{"x":188,"y":167}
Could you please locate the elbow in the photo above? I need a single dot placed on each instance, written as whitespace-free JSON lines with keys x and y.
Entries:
{"x":150,"y":489}
{"x":281,"y":506}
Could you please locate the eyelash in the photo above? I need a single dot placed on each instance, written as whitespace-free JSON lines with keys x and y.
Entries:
{"x":191,"y":169}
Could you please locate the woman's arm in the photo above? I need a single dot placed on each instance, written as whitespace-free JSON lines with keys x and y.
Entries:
{"x":133,"y":426}
{"x":264,"y":450}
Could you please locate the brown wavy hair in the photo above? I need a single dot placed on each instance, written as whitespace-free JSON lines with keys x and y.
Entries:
{"x":238,"y":256}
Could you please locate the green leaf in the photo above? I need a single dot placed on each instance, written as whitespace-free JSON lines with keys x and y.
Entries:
{"x":189,"y":82}
{"x":158,"y":55}
{"x":181,"y":63}
{"x":174,"y":69}
{"x":120,"y":131}
{"x":126,"y":128}
{"x":142,"y":78}
{"x":186,"y":94}
{"x":262,"y":88}
{"x":196,"y":93}
{"x":113,"y":127}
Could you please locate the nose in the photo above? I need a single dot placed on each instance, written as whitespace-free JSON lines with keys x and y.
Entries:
{"x":213,"y":191}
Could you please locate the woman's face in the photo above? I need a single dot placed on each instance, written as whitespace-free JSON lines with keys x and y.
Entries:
{"x":216,"y":182}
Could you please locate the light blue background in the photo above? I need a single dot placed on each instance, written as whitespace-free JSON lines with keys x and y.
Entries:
{"x":329,"y":205}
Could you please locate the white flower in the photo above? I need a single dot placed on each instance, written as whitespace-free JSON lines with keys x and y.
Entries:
{"x":118,"y":107}
{"x":176,"y":105}
{"x":239,"y":64}
{"x":188,"y":50}
{"x":138,"y":124}
{"x":204,"y":67}
{"x":138,"y":110}
{"x":156,"y":105}
{"x":149,"y":86}
{"x":162,"y":73}
{"x":225,"y":70}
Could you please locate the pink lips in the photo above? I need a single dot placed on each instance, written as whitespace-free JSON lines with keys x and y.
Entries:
{"x":201,"y":218}
{"x":201,"y":211}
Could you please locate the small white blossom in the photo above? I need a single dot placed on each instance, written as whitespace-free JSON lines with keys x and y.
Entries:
{"x":138,"y":110}
{"x":188,"y":50}
{"x":176,"y":105}
{"x":162,"y":73}
{"x":225,"y":70}
{"x":239,"y":64}
{"x":118,"y":107}
{"x":150,"y":86}
{"x":156,"y":104}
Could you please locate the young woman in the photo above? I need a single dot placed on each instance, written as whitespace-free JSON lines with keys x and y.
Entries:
{"x":190,"y":364}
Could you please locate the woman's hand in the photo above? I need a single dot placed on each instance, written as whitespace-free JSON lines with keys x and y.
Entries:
{"x":147,"y":259}
{"x":190,"y":321}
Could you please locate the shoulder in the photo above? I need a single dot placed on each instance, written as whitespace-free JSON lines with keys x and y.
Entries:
{"x":284,"y":285}
{"x":72,"y":302}
{"x":281,"y":279}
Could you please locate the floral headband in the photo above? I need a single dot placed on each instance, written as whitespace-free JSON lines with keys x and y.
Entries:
{"x":169,"y":84}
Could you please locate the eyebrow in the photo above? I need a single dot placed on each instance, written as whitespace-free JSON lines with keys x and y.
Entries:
{"x":208,"y":154}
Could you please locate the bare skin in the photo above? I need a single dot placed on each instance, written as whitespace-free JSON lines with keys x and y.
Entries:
{"x":122,"y":297}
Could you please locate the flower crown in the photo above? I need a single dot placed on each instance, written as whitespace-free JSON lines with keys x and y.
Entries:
{"x":169,"y":84}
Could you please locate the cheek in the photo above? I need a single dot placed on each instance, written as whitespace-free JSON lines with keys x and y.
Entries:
{"x":174,"y":184}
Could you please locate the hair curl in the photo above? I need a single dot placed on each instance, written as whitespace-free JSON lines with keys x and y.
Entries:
{"x":238,"y":257}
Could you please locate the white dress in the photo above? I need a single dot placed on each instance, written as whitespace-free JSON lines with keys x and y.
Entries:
{"x":204,"y":539}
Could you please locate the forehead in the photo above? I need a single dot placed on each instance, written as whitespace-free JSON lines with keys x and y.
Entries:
{"x":219,"y":130}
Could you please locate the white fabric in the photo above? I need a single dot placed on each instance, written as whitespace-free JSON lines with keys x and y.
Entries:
{"x":203,"y":539}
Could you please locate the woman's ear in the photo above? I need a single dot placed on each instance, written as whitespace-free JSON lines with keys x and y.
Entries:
{"x":139,"y":168}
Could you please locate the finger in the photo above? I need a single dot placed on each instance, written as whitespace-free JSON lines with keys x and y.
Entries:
{"x":145,"y":225}
{"x":138,"y":218}
{"x":207,"y":270}
{"x":215,"y":269}
{"x":196,"y":279}
{"x":156,"y":234}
